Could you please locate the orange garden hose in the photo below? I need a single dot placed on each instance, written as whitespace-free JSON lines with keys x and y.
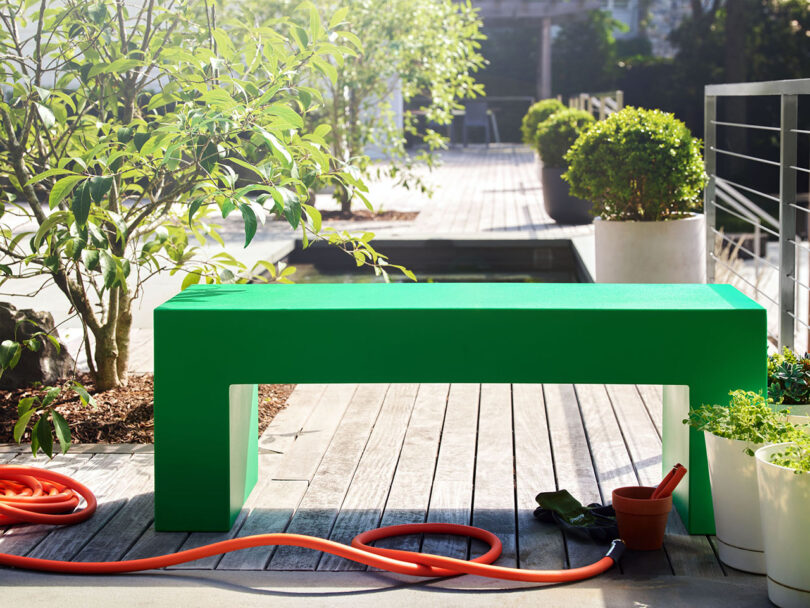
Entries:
{"x":32,"y":495}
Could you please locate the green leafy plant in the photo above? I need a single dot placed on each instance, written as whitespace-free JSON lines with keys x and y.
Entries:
{"x":748,"y":417}
{"x":557,"y":134}
{"x":789,"y":378}
{"x":537,"y":113}
{"x":795,"y":456}
{"x":425,"y":52}
{"x":639,"y":165}
{"x":121,"y":127}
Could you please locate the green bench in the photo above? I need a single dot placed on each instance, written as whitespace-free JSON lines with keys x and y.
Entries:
{"x":214,"y":344}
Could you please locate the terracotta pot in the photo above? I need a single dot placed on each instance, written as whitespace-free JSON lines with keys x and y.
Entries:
{"x":641,"y":521}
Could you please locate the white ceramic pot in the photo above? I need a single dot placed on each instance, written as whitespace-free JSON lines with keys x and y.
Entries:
{"x":673,"y":251}
{"x":784,"y":497}
{"x":733,"y":477}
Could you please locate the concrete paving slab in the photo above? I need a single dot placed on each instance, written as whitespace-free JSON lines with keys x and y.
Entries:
{"x":204,"y":589}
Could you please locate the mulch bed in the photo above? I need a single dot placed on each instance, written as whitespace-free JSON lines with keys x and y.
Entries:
{"x":122,"y":415}
{"x":364,"y":215}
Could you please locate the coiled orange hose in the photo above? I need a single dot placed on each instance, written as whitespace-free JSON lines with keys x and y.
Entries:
{"x":31,"y":495}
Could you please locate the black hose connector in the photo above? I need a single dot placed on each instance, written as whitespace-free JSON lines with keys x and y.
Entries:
{"x":616,"y":550}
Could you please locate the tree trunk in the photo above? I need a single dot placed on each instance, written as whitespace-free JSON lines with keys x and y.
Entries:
{"x":106,"y":357}
{"x":122,"y":331}
{"x":343,"y":197}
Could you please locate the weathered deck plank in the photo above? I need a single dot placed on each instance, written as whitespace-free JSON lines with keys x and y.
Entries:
{"x":301,"y":459}
{"x":540,"y":545}
{"x":573,"y":469}
{"x":127,"y":525}
{"x":363,"y":505}
{"x":451,"y":497}
{"x":494,"y":494}
{"x":321,"y":503}
{"x":409,"y":498}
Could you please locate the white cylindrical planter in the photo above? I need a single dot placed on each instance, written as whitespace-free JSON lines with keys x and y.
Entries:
{"x":784,"y":497}
{"x":673,"y":251}
{"x":733,"y":477}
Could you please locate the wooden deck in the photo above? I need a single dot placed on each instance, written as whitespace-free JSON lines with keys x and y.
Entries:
{"x":344,"y":458}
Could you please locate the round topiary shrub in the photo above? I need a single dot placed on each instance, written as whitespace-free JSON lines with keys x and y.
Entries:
{"x":637,"y":164}
{"x":536,"y":114}
{"x":558,"y":133}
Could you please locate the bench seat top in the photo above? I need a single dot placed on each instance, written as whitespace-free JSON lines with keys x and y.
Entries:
{"x":458,"y":296}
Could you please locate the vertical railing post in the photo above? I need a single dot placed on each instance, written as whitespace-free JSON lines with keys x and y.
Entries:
{"x":787,"y":219}
{"x":710,"y":143}
{"x":619,"y":100}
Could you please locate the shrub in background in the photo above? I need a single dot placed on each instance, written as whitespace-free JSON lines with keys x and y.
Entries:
{"x":538,"y":113}
{"x":639,"y":165}
{"x":558,"y":133}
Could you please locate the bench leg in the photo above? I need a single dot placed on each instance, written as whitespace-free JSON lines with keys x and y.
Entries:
{"x":206,"y":455}
{"x":693,"y":497}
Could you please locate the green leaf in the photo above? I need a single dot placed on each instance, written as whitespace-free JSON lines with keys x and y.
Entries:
{"x":62,"y":429}
{"x":25,"y":405}
{"x":82,"y":201}
{"x":46,"y":174}
{"x":193,"y":208}
{"x":62,"y":188}
{"x":192,"y":278}
{"x":52,"y":394}
{"x":293,"y":213}
{"x":99,"y":186}
{"x":339,"y":17}
{"x":84,"y":396}
{"x":22,"y":424}
{"x":249,"y":216}
{"x":122,"y":64}
{"x":314,"y":216}
{"x":9,"y":354}
{"x":45,"y":115}
{"x":124,"y":134}
{"x":90,"y":258}
{"x":139,"y":139}
{"x":278,"y":149}
{"x":287,"y":113}
{"x":52,"y":220}
{"x":42,"y":430}
{"x":108,"y":268}
{"x":326,"y":68}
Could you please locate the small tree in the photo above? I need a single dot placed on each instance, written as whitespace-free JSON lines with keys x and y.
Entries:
{"x":425,"y":50}
{"x":121,"y":132}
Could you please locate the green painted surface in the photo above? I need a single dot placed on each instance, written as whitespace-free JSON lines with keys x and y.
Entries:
{"x":709,"y":338}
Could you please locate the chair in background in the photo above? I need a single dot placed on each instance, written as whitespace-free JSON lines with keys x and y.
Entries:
{"x":476,"y":114}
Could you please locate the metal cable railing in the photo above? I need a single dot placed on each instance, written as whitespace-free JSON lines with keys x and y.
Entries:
{"x":782,"y":295}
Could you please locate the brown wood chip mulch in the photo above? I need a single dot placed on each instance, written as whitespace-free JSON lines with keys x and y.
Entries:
{"x":121,"y":415}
